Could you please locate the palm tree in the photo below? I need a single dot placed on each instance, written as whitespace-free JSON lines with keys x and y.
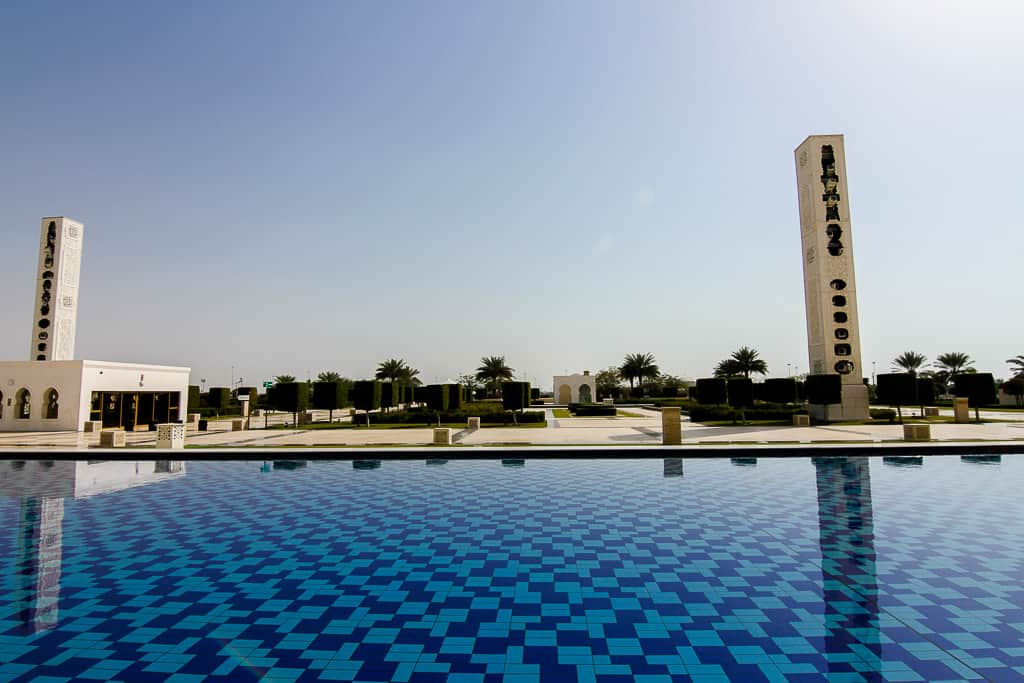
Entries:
{"x":397,"y":370}
{"x":747,"y":361}
{"x":953,"y":363}
{"x":284,"y":379}
{"x":639,"y":367}
{"x":328,"y":376}
{"x":728,"y":368}
{"x":492,"y":371}
{"x":909,"y":361}
{"x":1018,"y":363}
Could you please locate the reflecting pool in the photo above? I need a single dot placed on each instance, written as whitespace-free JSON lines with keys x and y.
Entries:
{"x":748,"y":569}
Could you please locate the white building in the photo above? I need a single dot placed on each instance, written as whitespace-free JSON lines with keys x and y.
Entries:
{"x":52,"y":392}
{"x":830,"y":289}
{"x":574,"y":388}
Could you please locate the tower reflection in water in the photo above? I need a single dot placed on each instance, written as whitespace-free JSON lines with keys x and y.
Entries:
{"x":846,"y":534}
{"x":42,"y":487}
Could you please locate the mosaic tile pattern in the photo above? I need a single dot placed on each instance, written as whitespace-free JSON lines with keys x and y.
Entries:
{"x":518,"y":570}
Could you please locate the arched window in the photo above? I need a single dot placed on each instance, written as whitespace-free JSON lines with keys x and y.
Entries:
{"x":23,"y":399}
{"x":51,"y":404}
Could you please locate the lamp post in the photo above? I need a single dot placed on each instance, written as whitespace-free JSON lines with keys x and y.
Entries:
{"x":789,"y":371}
{"x":203,"y":382}
{"x":873,"y":373}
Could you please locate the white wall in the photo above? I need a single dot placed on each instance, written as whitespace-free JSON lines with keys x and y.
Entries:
{"x":75,"y":381}
{"x":37,"y":377}
{"x":574,"y":383}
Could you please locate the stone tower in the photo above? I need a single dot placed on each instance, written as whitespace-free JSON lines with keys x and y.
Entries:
{"x":55,"y":308}
{"x":830,"y":289}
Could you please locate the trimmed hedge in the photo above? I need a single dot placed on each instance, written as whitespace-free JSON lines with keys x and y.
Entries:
{"x":193,"y":398}
{"x":882,"y":414}
{"x":896,"y":388}
{"x":824,"y":389}
{"x":707,"y":413}
{"x":218,"y":398}
{"x":592,"y":410}
{"x":740,"y":391}
{"x":435,"y":396}
{"x":291,"y":397}
{"x":712,"y":391}
{"x":515,"y":395}
{"x":455,"y":396}
{"x":779,"y":390}
{"x":978,"y":387}
{"x":388,"y":395}
{"x":366,"y":394}
{"x":472,"y":409}
{"x":330,"y":395}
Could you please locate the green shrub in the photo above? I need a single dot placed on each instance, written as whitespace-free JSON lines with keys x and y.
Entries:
{"x":978,"y":387}
{"x":779,"y":390}
{"x":366,"y":394}
{"x":592,"y":410}
{"x":291,"y":397}
{"x":330,"y":396}
{"x":388,"y":395}
{"x":489,"y":413}
{"x":712,"y":391}
{"x":883,"y":414}
{"x":218,"y":398}
{"x":740,"y":392}
{"x":823,"y":390}
{"x":896,"y":388}
{"x":455,"y":397}
{"x":710,"y":413}
{"x":435,"y":396}
{"x":515,"y":395}
{"x":193,"y":398}
{"x":925,"y":391}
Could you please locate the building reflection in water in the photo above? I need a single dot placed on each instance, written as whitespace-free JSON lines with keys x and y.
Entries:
{"x":366,"y":464}
{"x":513,"y":462}
{"x":846,"y":535}
{"x":42,"y":486}
{"x":673,"y":467}
{"x":744,"y":462}
{"x":903,"y":460}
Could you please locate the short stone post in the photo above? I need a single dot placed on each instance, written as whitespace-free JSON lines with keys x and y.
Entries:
{"x":961,"y":411}
{"x":170,"y":435}
{"x":238,"y":424}
{"x":113,"y":438}
{"x":931,"y":412}
{"x":193,"y":421}
{"x":473,"y":424}
{"x":92,"y":426}
{"x":442,"y":436}
{"x":801,"y":420}
{"x":306,"y":417}
{"x":671,"y":426}
{"x":917,"y":432}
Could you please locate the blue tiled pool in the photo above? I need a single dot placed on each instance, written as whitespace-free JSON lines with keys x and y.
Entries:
{"x":839,"y":569}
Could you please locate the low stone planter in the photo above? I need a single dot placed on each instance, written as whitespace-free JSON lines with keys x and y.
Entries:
{"x":931,"y":412}
{"x":442,"y":436}
{"x":113,"y":438}
{"x":170,"y":435}
{"x":92,"y":426}
{"x":801,"y":420}
{"x":917,"y":432}
{"x":473,"y":423}
{"x":671,"y":427}
{"x":961,"y":411}
{"x":238,"y":425}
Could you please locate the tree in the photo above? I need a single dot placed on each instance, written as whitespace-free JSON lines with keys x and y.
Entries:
{"x":284,"y":379}
{"x":1015,"y":388}
{"x":638,"y":367}
{"x":953,"y":363}
{"x":909,"y":361}
{"x":398,"y":371}
{"x":607,"y":382}
{"x":493,"y":371}
{"x":727,"y":368}
{"x":747,"y":361}
{"x":328,"y":376}
{"x":1018,"y":366}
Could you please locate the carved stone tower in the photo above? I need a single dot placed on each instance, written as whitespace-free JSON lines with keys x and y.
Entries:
{"x":55,"y":308}
{"x":830,"y":289}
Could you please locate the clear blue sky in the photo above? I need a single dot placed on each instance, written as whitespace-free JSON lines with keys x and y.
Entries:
{"x":295,"y":187}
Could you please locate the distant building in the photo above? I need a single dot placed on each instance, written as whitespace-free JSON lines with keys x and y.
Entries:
{"x":53,"y":392}
{"x":574,"y":388}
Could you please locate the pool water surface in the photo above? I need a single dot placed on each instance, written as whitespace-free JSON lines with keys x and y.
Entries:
{"x":794,"y":569}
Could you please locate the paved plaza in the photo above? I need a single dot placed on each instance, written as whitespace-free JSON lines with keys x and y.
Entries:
{"x":645,"y":429}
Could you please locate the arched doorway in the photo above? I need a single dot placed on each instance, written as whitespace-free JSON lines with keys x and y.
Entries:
{"x":564,"y":394}
{"x":23,"y":401}
{"x":585,"y":395}
{"x":51,"y":404}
